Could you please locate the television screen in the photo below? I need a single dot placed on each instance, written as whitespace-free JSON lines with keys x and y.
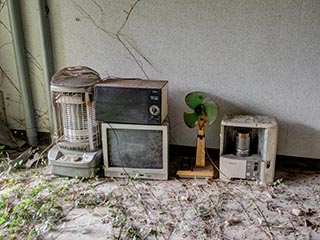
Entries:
{"x":135,"y":148}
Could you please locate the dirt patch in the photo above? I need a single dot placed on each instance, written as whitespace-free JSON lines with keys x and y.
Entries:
{"x":63,"y":208}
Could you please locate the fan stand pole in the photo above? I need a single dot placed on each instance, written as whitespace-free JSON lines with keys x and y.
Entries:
{"x":201,"y":169}
{"x":201,"y":145}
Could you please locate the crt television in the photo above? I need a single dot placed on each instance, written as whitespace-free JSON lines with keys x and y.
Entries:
{"x":139,"y":151}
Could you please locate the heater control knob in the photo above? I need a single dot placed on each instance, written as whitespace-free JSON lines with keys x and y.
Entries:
{"x":154,"y":110}
{"x":75,"y":158}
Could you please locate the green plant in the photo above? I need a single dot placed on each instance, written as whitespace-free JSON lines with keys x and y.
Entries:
{"x":277,"y":182}
{"x":2,"y":147}
{"x":120,"y":219}
{"x":24,"y":209}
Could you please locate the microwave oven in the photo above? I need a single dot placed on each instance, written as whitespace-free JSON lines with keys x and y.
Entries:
{"x":133,"y":101}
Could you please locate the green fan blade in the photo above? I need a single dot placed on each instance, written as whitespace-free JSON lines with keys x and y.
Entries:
{"x":211,"y":111}
{"x":190,"y":119}
{"x":194,"y":99}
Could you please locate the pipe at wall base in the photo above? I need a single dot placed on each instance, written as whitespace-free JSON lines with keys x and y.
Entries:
{"x":21,"y":64}
{"x":47,"y":58}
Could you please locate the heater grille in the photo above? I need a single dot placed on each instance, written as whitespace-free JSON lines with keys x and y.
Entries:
{"x":77,"y":120}
{"x":76,"y":127}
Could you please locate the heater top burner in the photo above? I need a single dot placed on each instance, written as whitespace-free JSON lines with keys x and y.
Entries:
{"x":74,"y":82}
{"x":79,"y":76}
{"x":250,"y":121}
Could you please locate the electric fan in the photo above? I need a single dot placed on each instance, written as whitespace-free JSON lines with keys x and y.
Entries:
{"x":204,"y":112}
{"x":77,"y":150}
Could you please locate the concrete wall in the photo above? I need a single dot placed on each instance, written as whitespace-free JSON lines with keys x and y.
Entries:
{"x":9,"y":83}
{"x":251,"y":56}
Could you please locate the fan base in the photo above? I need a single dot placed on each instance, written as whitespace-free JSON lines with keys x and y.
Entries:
{"x":200,"y":172}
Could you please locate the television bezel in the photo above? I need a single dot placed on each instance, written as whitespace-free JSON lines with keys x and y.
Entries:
{"x":142,"y":173}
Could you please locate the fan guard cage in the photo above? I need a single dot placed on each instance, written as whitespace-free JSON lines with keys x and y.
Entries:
{"x":74,"y":112}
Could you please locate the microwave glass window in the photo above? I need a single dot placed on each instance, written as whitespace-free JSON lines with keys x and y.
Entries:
{"x":116,"y":104}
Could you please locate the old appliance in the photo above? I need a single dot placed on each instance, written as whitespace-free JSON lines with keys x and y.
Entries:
{"x":248,"y":147}
{"x":204,"y":111}
{"x":131,"y":101}
{"x":77,"y":150}
{"x":135,"y":150}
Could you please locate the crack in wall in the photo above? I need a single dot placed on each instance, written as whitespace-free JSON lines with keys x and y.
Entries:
{"x":118,"y":36}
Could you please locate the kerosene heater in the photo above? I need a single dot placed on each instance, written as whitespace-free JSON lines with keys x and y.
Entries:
{"x":77,"y":151}
{"x":248,"y":147}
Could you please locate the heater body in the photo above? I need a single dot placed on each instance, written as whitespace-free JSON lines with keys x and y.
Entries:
{"x":77,"y":150}
{"x":248,"y":147}
{"x":74,"y":163}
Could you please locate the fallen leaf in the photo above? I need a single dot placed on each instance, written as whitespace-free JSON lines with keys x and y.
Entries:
{"x":231,"y":222}
{"x":272,"y":207}
{"x":310,"y":212}
{"x":297,"y":212}
{"x":271,"y":196}
{"x":184,"y":198}
{"x":313,"y":226}
{"x":308,"y":223}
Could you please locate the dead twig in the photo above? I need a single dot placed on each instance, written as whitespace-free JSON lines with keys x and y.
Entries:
{"x":265,"y":219}
{"x":268,"y":232}
{"x":9,"y":79}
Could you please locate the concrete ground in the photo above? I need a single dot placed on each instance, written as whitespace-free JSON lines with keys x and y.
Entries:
{"x":198,"y":209}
